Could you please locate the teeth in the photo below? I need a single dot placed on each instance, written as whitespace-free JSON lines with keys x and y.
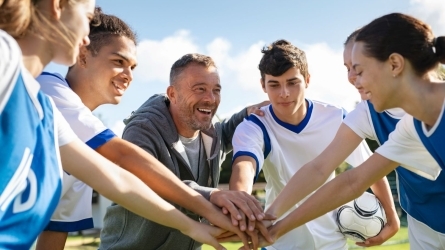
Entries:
{"x":205,"y":110}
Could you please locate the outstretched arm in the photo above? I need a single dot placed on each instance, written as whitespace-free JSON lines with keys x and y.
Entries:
{"x":127,"y":190}
{"x":318,"y":169}
{"x":154,"y":174}
{"x":345,"y":187}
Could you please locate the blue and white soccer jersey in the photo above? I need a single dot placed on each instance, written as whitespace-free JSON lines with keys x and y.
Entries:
{"x":73,"y":212}
{"x":281,"y":149}
{"x":31,"y":132}
{"x":418,"y":196}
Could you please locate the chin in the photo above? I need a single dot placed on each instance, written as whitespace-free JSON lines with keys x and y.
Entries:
{"x":116,"y":101}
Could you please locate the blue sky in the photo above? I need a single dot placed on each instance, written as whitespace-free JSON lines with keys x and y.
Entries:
{"x":233,"y":32}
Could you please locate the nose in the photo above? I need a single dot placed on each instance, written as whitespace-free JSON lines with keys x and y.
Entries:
{"x":284,"y":92}
{"x":352,"y":77}
{"x":128,"y":72}
{"x":86,"y":41}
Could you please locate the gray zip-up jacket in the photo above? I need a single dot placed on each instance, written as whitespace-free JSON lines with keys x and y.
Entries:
{"x":151,"y":127}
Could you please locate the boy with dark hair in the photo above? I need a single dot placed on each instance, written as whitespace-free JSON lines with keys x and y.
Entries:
{"x":293,"y":131}
{"x":102,"y":73}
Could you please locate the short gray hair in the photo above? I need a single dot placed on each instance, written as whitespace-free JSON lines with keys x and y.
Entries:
{"x":187,"y":59}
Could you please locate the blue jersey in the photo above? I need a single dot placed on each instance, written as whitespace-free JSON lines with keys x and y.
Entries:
{"x":419,"y":196}
{"x":30,"y":172}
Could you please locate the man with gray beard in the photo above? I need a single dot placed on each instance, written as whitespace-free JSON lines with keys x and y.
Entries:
{"x":177,"y":129}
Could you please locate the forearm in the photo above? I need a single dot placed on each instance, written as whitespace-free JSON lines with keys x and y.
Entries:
{"x":120,"y":186}
{"x":382,"y":191}
{"x":158,"y":177}
{"x":316,"y":172}
{"x":326,"y":199}
{"x":345,"y":187}
{"x":242,"y":176}
{"x":298,"y":187}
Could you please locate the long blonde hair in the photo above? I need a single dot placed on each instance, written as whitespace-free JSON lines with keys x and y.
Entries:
{"x":22,"y":17}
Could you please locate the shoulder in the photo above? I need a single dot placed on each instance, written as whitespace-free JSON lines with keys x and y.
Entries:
{"x":55,"y":85}
{"x":49,"y":81}
{"x":10,"y":64}
{"x":324,"y":109}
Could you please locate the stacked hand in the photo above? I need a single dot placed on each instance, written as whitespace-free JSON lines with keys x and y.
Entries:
{"x":246,"y":213}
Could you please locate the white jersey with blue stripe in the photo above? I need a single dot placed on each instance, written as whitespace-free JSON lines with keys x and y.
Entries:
{"x":418,"y":196}
{"x":281,"y":149}
{"x":31,"y":131}
{"x":74,"y":211}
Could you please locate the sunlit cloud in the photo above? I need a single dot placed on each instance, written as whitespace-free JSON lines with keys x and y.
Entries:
{"x":431,"y":12}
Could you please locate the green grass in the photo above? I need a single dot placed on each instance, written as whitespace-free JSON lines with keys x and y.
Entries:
{"x":397,"y":242}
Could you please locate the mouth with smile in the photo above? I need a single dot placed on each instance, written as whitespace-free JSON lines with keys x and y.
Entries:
{"x":205,"y":111}
{"x":119,"y":89}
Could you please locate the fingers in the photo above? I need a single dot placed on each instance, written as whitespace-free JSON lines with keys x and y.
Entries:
{"x":244,"y":239}
{"x":253,"y":239}
{"x":214,"y":243}
{"x":225,"y":211}
{"x":234,"y":221}
{"x":262,"y":227}
{"x":226,"y":235}
{"x":242,"y":222}
{"x":374,"y":241}
{"x":250,"y":206}
{"x":269,"y":217}
{"x":387,"y":232}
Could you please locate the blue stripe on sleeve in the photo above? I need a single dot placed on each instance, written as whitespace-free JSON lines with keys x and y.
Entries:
{"x":267,"y":145}
{"x":100,"y":139}
{"x":72,"y":226}
{"x":246,"y":153}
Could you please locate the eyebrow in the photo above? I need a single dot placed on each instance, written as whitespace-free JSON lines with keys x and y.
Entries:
{"x":287,"y":80}
{"x":203,"y":83}
{"x":123,"y":57}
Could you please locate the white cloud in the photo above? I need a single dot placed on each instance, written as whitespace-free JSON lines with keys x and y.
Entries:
{"x":155,"y":58}
{"x":431,"y":12}
{"x":238,"y":71}
{"x":118,"y":128}
{"x":328,"y":77}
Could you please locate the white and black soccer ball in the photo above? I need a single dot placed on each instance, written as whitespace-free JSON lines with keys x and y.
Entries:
{"x":361,"y":218}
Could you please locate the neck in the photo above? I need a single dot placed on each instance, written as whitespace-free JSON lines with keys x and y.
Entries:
{"x":423,"y":100}
{"x":36,"y":53}
{"x":80,"y":87}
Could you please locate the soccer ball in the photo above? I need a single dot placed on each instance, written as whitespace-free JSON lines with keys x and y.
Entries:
{"x":361,"y":218}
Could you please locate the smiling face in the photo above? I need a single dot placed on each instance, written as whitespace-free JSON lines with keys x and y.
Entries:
{"x":374,"y":78}
{"x":194,"y":97}
{"x":352,"y":76}
{"x":286,"y":94}
{"x":104,"y":77}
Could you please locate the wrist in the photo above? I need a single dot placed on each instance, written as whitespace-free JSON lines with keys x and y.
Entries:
{"x":211,"y":195}
{"x":273,"y":212}
{"x":187,"y":226}
{"x":274,"y":231}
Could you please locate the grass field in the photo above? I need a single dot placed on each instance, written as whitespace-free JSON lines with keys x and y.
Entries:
{"x":397,"y":242}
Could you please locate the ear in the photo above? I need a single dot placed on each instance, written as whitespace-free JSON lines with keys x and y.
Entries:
{"x":171,"y":93}
{"x":263,"y":85}
{"x":397,"y":63}
{"x":307,"y":79}
{"x":56,"y":9}
{"x":82,"y":57}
